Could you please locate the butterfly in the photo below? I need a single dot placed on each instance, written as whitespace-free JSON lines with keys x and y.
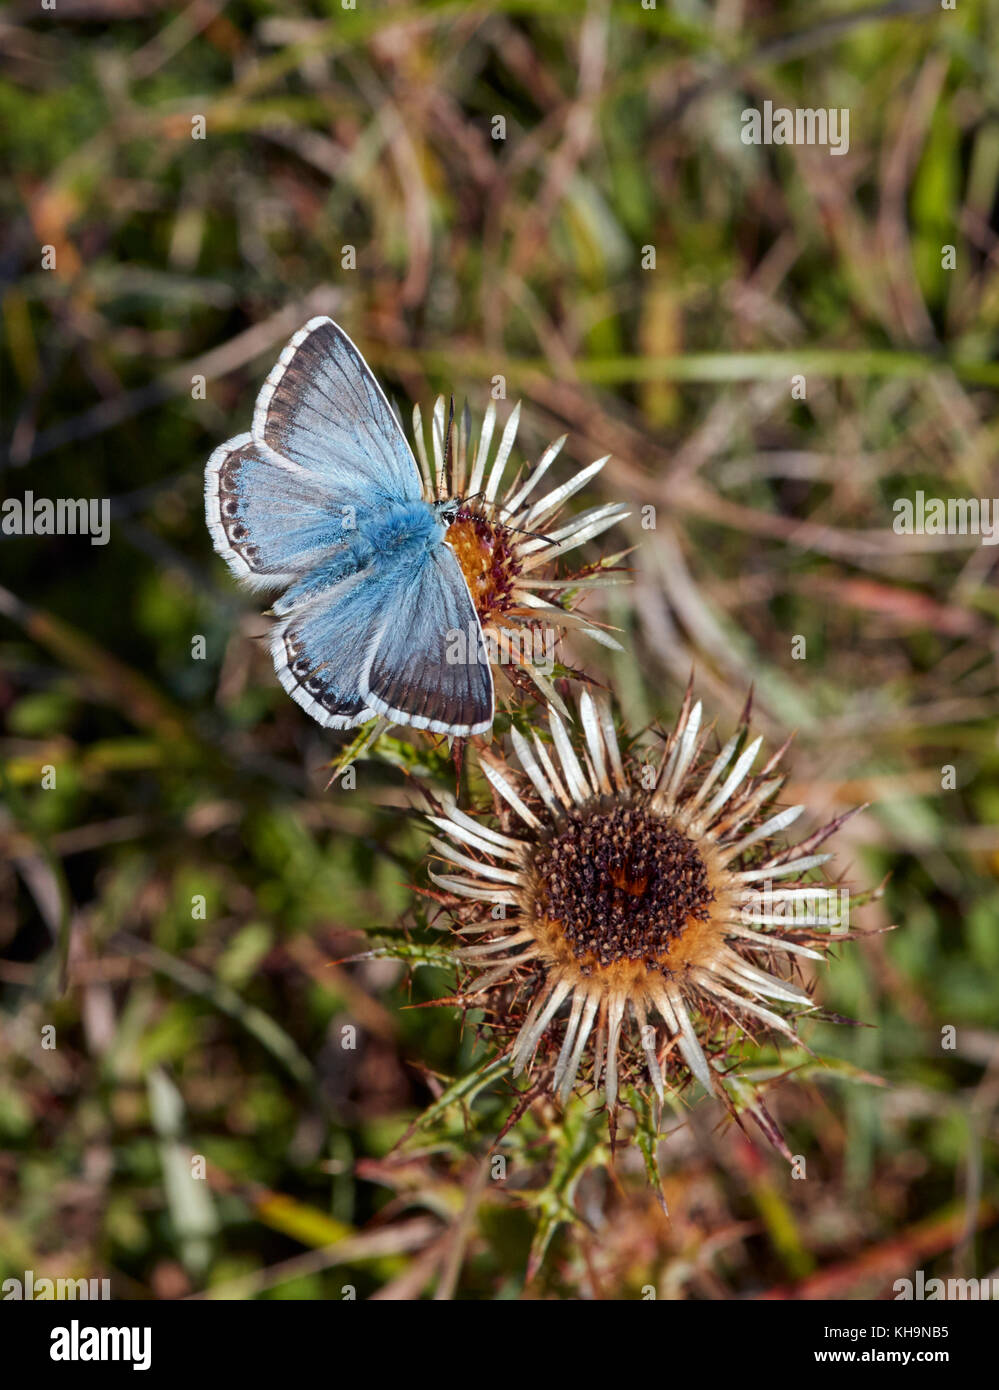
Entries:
{"x":323,"y":501}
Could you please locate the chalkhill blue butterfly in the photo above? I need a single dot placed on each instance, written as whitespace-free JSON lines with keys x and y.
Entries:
{"x":323,"y":502}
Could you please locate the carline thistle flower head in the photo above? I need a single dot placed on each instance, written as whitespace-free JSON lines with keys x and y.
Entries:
{"x":508,"y":538}
{"x":645,"y":907}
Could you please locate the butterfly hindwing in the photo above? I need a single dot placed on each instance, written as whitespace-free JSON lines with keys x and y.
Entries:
{"x":322,"y":409}
{"x":321,"y":649}
{"x":428,"y":665}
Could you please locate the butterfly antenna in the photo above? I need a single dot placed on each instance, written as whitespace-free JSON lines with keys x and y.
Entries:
{"x":519,"y":529}
{"x":521,"y":532}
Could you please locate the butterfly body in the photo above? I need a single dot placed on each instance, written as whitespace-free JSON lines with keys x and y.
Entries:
{"x":412,"y":525}
{"x":323,"y":501}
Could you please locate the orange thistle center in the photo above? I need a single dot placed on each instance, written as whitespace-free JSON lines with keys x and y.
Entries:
{"x":621,"y":884}
{"x":487,"y":561}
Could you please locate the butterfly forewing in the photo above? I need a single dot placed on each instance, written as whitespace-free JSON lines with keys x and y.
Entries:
{"x":322,"y":409}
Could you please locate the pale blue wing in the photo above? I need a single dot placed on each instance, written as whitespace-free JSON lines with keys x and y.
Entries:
{"x":427,"y":666}
{"x":273,"y":522}
{"x":322,"y":409}
{"x":322,"y":648}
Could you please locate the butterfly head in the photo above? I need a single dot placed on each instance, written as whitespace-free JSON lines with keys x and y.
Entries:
{"x":447,"y":511}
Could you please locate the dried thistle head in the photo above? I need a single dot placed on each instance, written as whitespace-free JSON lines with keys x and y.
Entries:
{"x":650,"y":910}
{"x":509,"y":542}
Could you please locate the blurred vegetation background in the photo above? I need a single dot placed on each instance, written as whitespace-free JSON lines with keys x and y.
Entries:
{"x":174,"y":906}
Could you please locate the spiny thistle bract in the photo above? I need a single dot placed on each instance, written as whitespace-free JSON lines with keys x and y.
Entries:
{"x":648,"y":908}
